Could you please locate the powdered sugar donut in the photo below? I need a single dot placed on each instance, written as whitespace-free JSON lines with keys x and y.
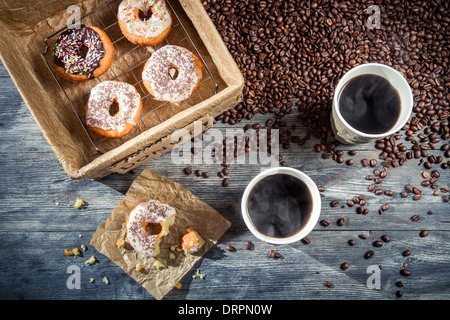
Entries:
{"x":147,"y":32}
{"x":113,"y":108}
{"x":158,"y":81}
{"x":147,"y":223}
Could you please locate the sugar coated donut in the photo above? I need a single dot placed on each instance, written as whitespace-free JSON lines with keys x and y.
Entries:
{"x":158,"y":81}
{"x":113,"y":108}
{"x":192,"y":241}
{"x":147,"y":223}
{"x":83,"y":53}
{"x":144,"y":32}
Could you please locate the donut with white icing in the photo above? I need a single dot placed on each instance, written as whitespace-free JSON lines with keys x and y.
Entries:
{"x":113,"y":108}
{"x":157,"y":79}
{"x":144,"y":32}
{"x":147,"y":223}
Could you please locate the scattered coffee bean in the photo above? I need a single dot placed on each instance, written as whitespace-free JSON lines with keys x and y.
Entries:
{"x":406,"y":253}
{"x":321,"y":188}
{"x":198,"y":173}
{"x":423,"y":233}
{"x":325,"y":222}
{"x":205,"y":174}
{"x":334,"y":203}
{"x":187,"y":170}
{"x":230,"y":248}
{"x":369,"y":254}
{"x":225,"y":182}
{"x":306,"y":240}
{"x":415,"y":217}
{"x":351,"y":242}
{"x":405,"y":272}
{"x":385,"y":238}
{"x":398,"y":294}
{"x":399,"y":284}
{"x":341,"y":222}
{"x":378,"y":243}
{"x":344,"y":266}
{"x":248,"y":245}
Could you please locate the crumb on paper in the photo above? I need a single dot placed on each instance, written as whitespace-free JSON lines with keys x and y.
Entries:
{"x":91,"y":280}
{"x":138,"y":268}
{"x":92,"y":260}
{"x":105,"y":280}
{"x":120,"y":243}
{"x":80,"y":236}
{"x":198,"y":275}
{"x":158,"y":265}
{"x":68,"y":252}
{"x":178,"y":285}
{"x":83,"y":247}
{"x":76,"y":251}
{"x":78,"y":203}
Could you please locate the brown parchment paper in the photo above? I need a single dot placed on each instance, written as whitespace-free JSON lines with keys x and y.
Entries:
{"x":191,"y":212}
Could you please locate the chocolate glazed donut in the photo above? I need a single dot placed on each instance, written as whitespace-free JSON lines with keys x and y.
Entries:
{"x":83,"y":53}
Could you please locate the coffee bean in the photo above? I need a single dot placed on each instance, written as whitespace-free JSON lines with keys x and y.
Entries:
{"x":350,"y":162}
{"x":405,"y":272}
{"x":398,"y":294}
{"x":423,"y":233}
{"x":399,"y":284}
{"x":321,"y":188}
{"x":373,"y":162}
{"x":205,"y":174}
{"x":341,"y":222}
{"x":362,"y":236}
{"x":369,"y":254}
{"x":225,"y":182}
{"x":415,"y":217}
{"x":365,"y":162}
{"x":334,"y":203}
{"x":344,"y":266}
{"x":389,"y":193}
{"x":378,"y":243}
{"x":248,"y":245}
{"x":187,"y":170}
{"x":306,"y":240}
{"x":272,"y":254}
{"x":406,"y":253}
{"x":325,"y":222}
{"x":385,"y":238}
{"x":198,"y":173}
{"x":230,"y":248}
{"x":351,"y":242}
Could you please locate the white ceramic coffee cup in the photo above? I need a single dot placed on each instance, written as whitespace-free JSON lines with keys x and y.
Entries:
{"x":349,"y":135}
{"x":315,"y":210}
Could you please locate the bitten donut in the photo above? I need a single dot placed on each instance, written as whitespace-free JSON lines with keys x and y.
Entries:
{"x":83,"y":53}
{"x":113,"y":108}
{"x":158,"y":81}
{"x":145,"y":32}
{"x":147,"y":223}
{"x":192,"y":242}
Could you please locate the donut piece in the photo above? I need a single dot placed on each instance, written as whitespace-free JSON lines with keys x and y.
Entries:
{"x":147,"y":223}
{"x":191,"y":242}
{"x":83,"y":53}
{"x":113,"y":108}
{"x":147,"y":32}
{"x":158,"y":81}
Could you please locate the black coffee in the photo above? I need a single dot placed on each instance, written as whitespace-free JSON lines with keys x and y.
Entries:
{"x":279,"y":205}
{"x":370,"y":104}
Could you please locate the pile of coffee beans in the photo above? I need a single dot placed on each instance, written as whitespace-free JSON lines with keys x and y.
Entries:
{"x":294,"y":52}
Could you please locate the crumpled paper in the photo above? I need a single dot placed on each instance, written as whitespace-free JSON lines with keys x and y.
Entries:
{"x":191,"y":212}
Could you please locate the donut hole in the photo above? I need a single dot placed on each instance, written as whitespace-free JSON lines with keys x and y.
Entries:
{"x":151,"y":229}
{"x":114,"y":109}
{"x":83,"y":51}
{"x":144,"y":16}
{"x":173,"y":73}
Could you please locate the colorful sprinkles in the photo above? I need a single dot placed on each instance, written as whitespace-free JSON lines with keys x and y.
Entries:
{"x":68,"y":51}
{"x":152,"y":27}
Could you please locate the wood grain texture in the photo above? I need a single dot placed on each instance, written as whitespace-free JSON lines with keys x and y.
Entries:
{"x":37,"y":222}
